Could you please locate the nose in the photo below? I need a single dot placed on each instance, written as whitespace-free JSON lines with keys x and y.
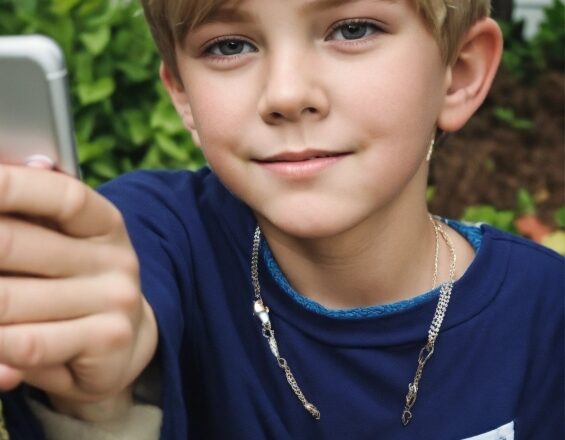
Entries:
{"x":292,"y":91}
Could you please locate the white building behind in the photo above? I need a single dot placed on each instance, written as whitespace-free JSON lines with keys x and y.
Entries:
{"x":532,"y":12}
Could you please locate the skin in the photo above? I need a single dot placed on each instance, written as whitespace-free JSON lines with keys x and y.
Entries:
{"x":296,"y":84}
{"x":73,"y":320}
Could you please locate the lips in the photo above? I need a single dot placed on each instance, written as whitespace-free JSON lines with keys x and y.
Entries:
{"x":301,"y":156}
{"x":301,"y":165}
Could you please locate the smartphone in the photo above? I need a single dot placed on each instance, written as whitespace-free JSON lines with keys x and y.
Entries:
{"x":35,"y":113}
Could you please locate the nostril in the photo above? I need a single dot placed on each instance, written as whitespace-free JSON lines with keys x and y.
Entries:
{"x":310,"y":110}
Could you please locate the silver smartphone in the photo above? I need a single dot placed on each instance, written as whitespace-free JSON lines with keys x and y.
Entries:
{"x":35,"y":114}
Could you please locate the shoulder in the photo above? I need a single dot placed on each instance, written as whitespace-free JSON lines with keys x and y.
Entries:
{"x":155,"y":184}
{"x":175,"y":203}
{"x":523,"y":251}
{"x":533,"y":276}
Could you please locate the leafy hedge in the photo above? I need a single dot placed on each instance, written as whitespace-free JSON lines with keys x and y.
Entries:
{"x":123,"y":117}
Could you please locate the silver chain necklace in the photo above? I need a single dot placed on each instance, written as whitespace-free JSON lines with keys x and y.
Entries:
{"x":261,"y":311}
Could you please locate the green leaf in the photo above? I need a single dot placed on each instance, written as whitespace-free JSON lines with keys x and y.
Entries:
{"x":506,"y":115}
{"x":430,"y":192}
{"x":138,"y":127}
{"x":488,"y":214}
{"x":97,"y":91}
{"x":96,"y":149}
{"x":525,"y":202}
{"x":169,"y":147}
{"x":61,"y":28}
{"x":560,"y":217}
{"x":96,"y":41}
{"x":135,"y":72}
{"x":151,"y":159}
{"x":480,"y":214}
{"x":104,"y":168}
{"x":62,"y":7}
{"x":82,"y":67}
{"x":28,"y":6}
{"x":99,"y":12}
{"x":84,"y":126}
{"x":505,"y":220}
{"x":165,"y":117}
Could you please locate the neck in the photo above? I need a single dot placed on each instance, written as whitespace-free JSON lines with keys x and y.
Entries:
{"x":386,"y":259}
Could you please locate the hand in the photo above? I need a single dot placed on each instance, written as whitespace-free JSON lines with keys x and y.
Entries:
{"x":73,"y":321}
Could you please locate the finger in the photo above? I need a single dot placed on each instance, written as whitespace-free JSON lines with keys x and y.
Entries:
{"x":10,"y":378}
{"x":77,"y":209}
{"x":56,"y":380}
{"x":32,"y":346}
{"x":33,"y":300}
{"x":28,"y":248}
{"x":64,"y":382}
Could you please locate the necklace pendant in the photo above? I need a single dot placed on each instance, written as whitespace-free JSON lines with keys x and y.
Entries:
{"x":406,"y":417}
{"x":261,"y":312}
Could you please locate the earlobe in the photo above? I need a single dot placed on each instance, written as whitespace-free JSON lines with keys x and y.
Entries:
{"x":180,"y":100}
{"x":470,"y":76}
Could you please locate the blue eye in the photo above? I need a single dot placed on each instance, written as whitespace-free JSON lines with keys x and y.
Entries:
{"x":230,"y":47}
{"x":352,"y":30}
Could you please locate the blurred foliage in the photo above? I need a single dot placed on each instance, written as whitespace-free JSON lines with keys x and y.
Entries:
{"x":527,"y":58}
{"x":501,"y":219}
{"x":522,"y":221}
{"x":506,"y":115}
{"x":123,"y":118}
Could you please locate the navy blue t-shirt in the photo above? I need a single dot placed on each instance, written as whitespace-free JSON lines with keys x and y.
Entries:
{"x":499,"y":359}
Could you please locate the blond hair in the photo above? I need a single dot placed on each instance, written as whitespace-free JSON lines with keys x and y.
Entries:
{"x":170,"y":20}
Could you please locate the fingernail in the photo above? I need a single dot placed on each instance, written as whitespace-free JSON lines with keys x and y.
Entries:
{"x":40,"y":162}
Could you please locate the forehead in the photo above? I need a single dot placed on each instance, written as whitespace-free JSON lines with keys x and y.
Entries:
{"x":205,"y":10}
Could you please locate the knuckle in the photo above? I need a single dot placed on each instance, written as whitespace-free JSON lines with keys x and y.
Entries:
{"x":115,"y":219}
{"x":5,"y":303}
{"x":75,"y":197}
{"x":6,"y":242}
{"x":29,"y":350}
{"x":124,"y":260}
{"x":119,"y":334}
{"x":4,"y":182}
{"x":125,"y":294}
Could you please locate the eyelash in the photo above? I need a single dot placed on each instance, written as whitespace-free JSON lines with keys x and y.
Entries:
{"x":357,"y":21}
{"x":207,"y":51}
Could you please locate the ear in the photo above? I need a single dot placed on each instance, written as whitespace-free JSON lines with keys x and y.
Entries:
{"x":470,"y":76}
{"x":180,"y":100}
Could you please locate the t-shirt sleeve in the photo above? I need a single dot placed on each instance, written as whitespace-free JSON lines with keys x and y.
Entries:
{"x":151,"y":204}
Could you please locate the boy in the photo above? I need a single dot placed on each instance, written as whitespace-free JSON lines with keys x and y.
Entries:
{"x":286,"y":284}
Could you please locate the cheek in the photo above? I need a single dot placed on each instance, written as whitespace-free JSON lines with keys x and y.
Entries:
{"x":396,"y":94}
{"x":219,"y":108}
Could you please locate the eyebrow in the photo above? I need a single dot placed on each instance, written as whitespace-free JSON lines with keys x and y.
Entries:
{"x":226,"y":15}
{"x":316,"y":5}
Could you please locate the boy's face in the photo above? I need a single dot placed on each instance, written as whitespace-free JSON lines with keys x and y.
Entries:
{"x":317,"y":114}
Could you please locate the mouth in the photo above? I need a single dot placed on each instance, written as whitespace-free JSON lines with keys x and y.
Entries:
{"x":305,"y":164}
{"x":301,"y":156}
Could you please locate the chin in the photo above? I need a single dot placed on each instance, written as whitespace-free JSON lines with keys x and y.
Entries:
{"x":309,"y":224}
